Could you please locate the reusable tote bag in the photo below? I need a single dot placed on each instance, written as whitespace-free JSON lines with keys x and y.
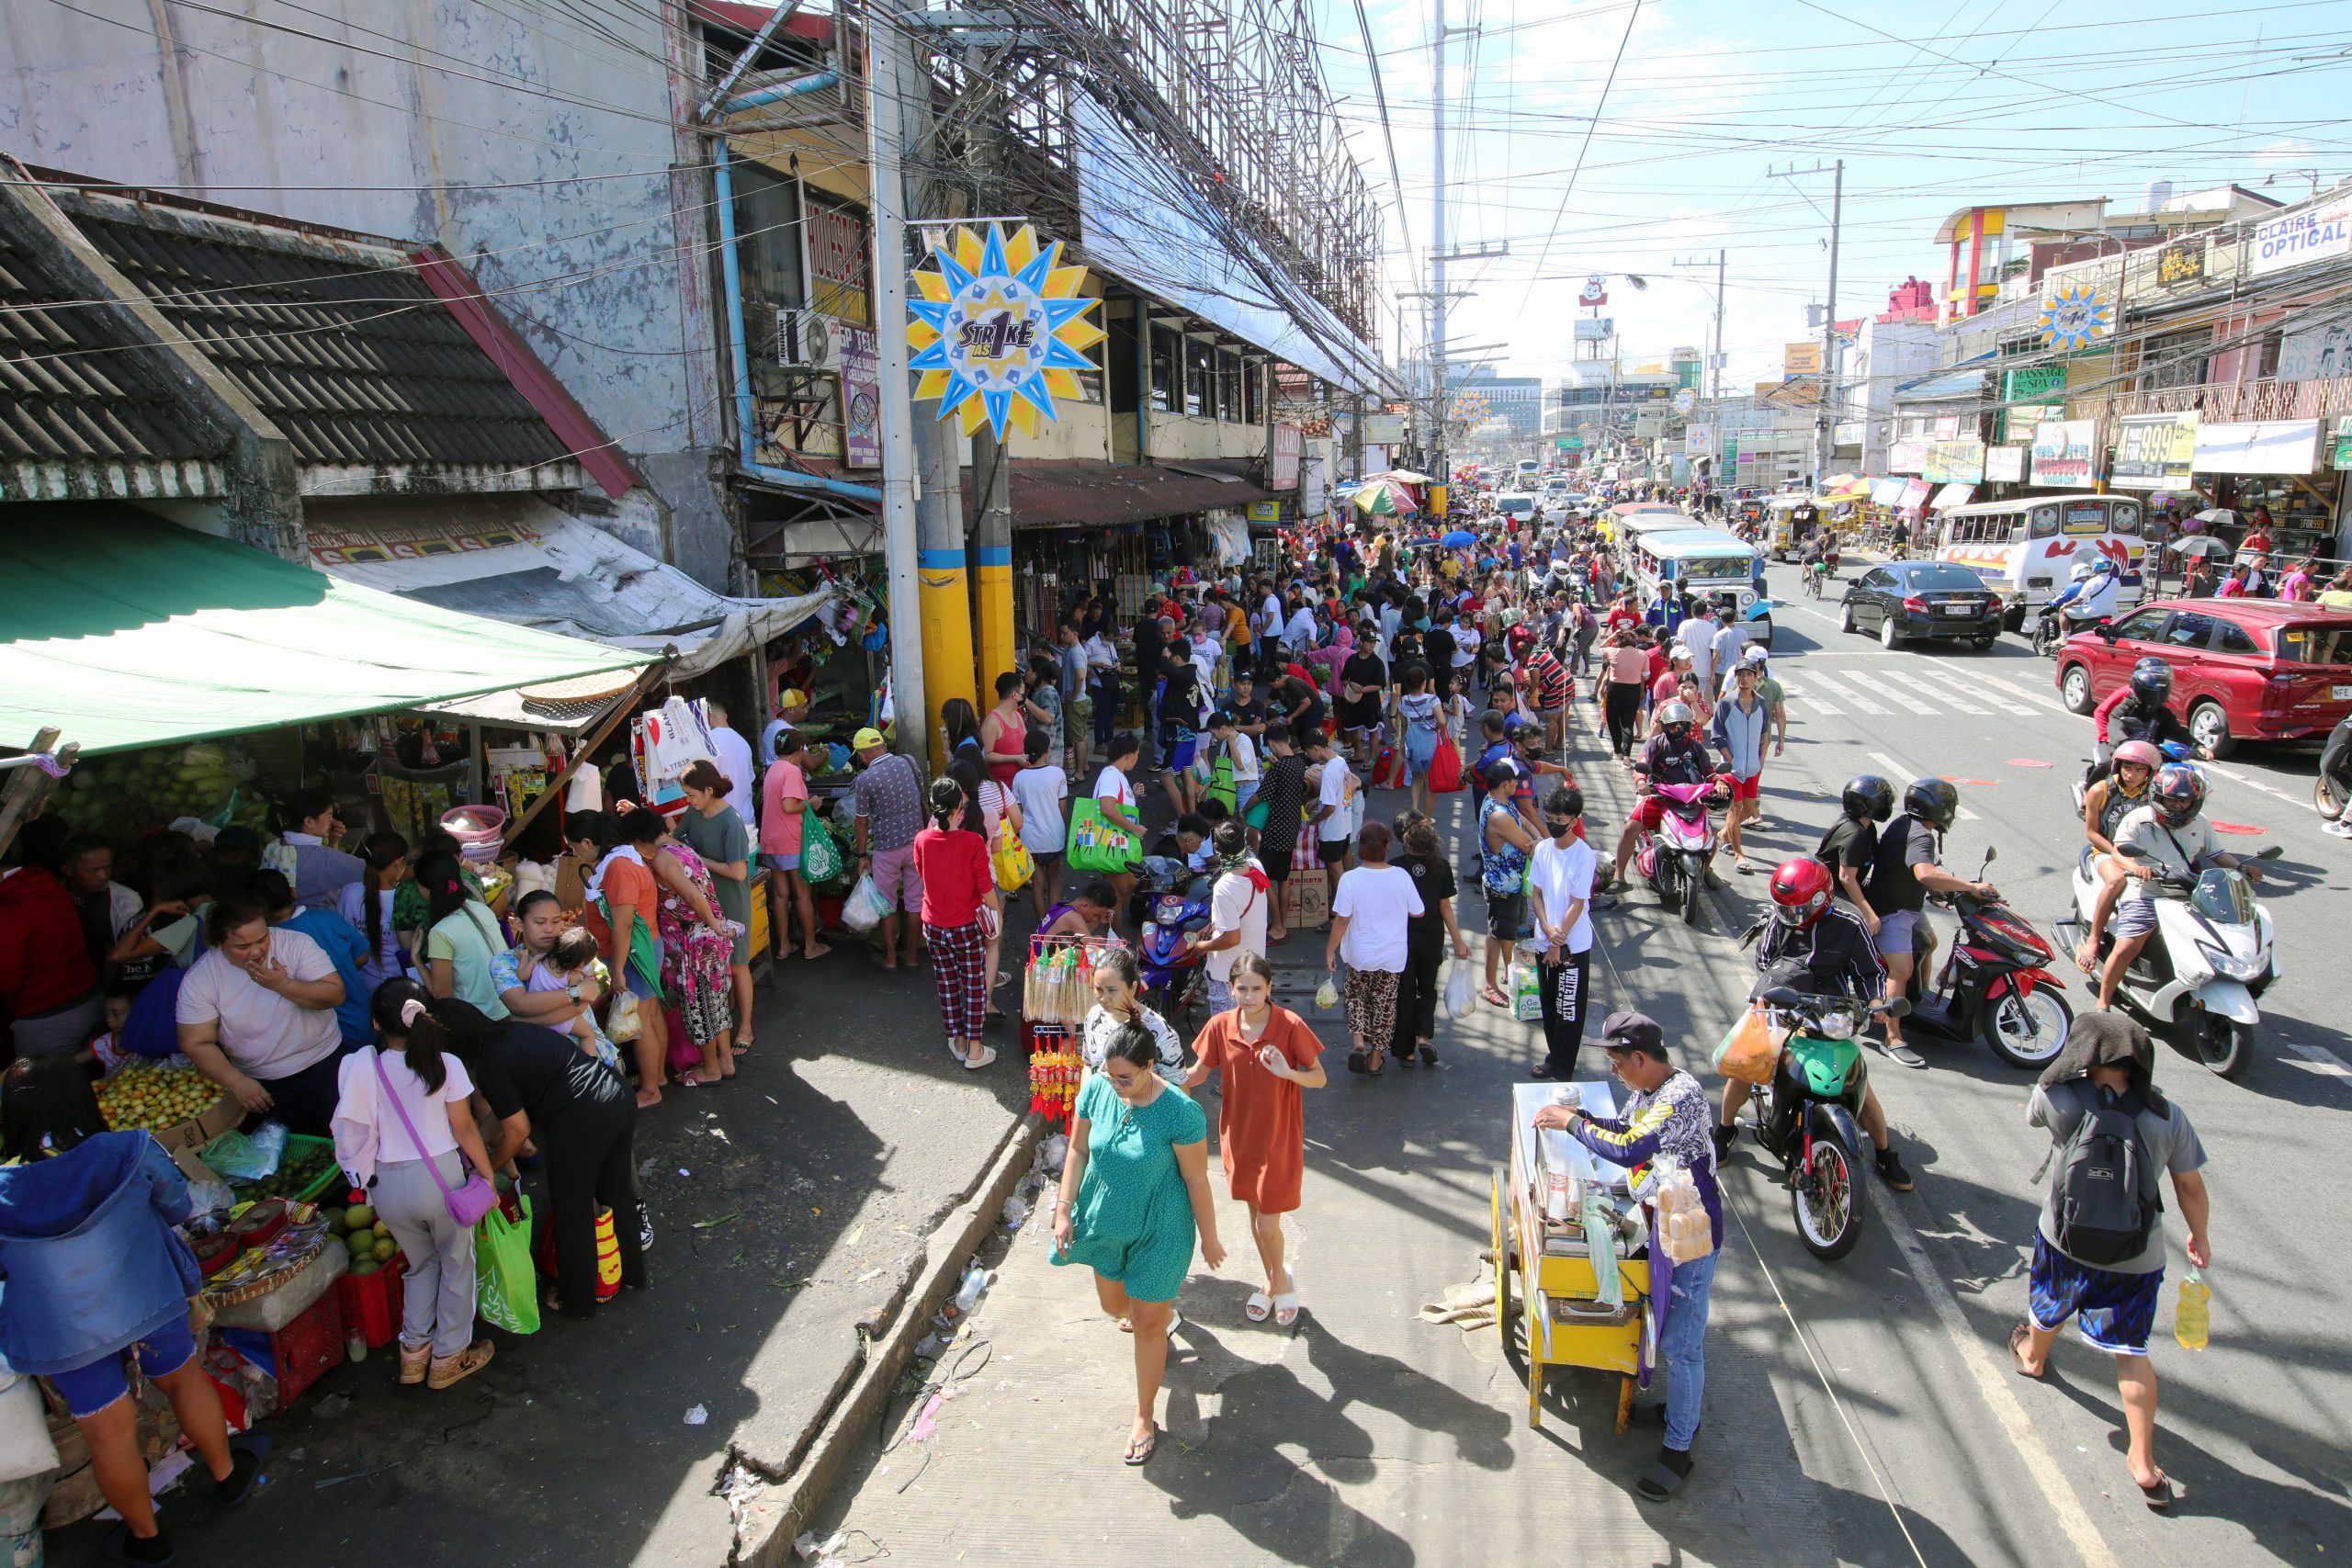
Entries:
{"x":506,"y":1287}
{"x":1011,"y":860}
{"x":821,"y":857}
{"x":1095,"y":845}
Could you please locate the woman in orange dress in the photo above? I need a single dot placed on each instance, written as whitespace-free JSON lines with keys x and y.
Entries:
{"x":1268,"y":1056}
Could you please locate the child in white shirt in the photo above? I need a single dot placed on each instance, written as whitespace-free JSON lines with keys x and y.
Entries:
{"x":1039,"y":789}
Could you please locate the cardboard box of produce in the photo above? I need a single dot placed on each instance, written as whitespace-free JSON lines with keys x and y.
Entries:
{"x":1311,"y":901}
{"x":184,"y":1140}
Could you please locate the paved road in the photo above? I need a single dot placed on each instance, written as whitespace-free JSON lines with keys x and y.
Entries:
{"x":1859,"y":1413}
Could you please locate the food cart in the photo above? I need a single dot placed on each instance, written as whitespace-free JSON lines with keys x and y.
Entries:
{"x":1545,"y":1285}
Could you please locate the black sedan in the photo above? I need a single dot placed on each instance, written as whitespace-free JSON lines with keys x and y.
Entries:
{"x":1907,"y":599}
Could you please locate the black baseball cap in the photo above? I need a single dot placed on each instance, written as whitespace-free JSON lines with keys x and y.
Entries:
{"x":1631,"y":1031}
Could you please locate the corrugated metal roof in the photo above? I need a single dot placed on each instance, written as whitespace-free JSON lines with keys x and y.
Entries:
{"x":338,"y":340}
{"x":70,"y":389}
{"x":1076,"y":492}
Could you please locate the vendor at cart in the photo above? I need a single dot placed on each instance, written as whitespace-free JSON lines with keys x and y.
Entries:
{"x":1667,"y":1115}
{"x":256,"y":1016}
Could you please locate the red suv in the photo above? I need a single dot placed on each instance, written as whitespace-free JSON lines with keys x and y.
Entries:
{"x":2242,"y":668}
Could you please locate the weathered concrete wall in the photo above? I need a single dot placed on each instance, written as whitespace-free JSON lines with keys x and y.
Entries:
{"x":537,"y":147}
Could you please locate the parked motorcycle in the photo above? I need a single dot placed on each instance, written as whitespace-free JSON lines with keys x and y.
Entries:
{"x":2202,"y":971}
{"x":1674,"y":860}
{"x":1996,"y":986}
{"x":1805,"y":1116}
{"x":1169,"y":969}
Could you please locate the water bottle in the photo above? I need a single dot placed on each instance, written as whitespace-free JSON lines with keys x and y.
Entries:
{"x":2192,"y":1318}
{"x":355,"y":1346}
{"x":975,"y":1279}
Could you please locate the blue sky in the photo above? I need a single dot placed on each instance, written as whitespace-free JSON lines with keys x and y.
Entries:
{"x":1969,"y":101}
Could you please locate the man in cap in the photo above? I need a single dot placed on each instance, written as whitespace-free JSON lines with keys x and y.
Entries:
{"x":889,"y":815}
{"x":1667,"y":1114}
{"x":791,"y":709}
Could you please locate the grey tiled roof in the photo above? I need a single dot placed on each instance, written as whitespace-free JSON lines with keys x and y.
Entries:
{"x":335,"y":337}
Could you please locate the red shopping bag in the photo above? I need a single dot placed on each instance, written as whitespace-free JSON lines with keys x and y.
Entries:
{"x":1445,"y":767}
{"x":1388,"y":772}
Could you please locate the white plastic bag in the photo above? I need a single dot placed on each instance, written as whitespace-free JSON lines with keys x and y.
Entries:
{"x":1326,"y":995}
{"x":866,"y":908}
{"x":1461,"y":991}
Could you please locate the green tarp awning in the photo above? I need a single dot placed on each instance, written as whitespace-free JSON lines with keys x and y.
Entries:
{"x":123,"y":630}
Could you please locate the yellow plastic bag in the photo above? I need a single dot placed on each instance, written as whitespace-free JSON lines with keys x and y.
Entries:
{"x":1013,"y":864}
{"x":1748,"y":1052}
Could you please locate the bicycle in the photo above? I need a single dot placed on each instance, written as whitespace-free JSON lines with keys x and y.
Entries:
{"x":1815,"y":573}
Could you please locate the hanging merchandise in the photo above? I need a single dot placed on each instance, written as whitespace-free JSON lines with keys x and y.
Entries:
{"x":1053,"y":1084}
{"x":1683,"y":1228}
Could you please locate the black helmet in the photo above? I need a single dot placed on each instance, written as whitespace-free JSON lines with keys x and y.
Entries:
{"x":1868,"y":798}
{"x":1932,"y":801}
{"x":2152,"y":681}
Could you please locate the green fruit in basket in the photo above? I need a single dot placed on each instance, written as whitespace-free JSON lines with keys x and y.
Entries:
{"x":381,"y":1230}
{"x":360,"y":1244}
{"x":385,"y":1249}
{"x":359,"y":1216}
{"x":365,"y":1266}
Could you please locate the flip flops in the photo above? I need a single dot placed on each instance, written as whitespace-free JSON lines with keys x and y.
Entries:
{"x":1258,"y":1307}
{"x":1286,"y":1306}
{"x":1140,"y":1453}
{"x":2159,"y":1496}
{"x":1356,"y":1062}
{"x":1665,"y":1476}
{"x":2018,"y":1334}
{"x":117,"y":1547}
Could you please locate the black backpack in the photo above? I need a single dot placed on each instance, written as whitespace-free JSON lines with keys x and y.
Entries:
{"x":2106,"y":1202}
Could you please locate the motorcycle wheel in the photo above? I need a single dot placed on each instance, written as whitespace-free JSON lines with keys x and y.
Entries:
{"x":2027,"y":1031}
{"x":1825,"y":1194}
{"x":1690,"y":900}
{"x":2325,"y":798}
{"x":2223,"y":1046}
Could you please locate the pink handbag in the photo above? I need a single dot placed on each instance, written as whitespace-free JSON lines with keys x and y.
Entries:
{"x":466,"y":1204}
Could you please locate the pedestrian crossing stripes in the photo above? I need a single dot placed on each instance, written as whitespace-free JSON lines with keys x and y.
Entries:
{"x":1816,"y":681}
{"x":1916,"y":685}
{"x":1928,"y":691}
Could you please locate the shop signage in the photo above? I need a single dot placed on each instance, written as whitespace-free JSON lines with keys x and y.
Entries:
{"x":1699,"y":441}
{"x":2262,"y":447}
{"x":2315,"y":353}
{"x":1685,"y":401}
{"x":999,"y":328}
{"x":1906,"y":457}
{"x":861,"y":398}
{"x":1265,"y":512}
{"x":1283,"y":467}
{"x":1596,"y":329}
{"x":2181,"y":262}
{"x":2030,"y":385}
{"x":2005,"y":465}
{"x":1649,"y":424}
{"x":1594,"y":293}
{"x":2344,"y":446}
{"x":2063,"y":453}
{"x":2319,"y":233}
{"x":1569,"y":444}
{"x":1959,"y":461}
{"x":1383,"y":429}
{"x":2074,"y":316}
{"x":1946,"y":428}
{"x":1801,"y":359}
{"x":2155,"y":451}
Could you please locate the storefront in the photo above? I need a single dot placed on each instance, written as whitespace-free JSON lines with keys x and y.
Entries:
{"x":2277,"y":466}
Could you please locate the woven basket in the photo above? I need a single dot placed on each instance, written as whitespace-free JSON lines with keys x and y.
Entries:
{"x":266,"y":1283}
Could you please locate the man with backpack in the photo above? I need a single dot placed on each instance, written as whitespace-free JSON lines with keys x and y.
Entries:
{"x":2099,"y":1253}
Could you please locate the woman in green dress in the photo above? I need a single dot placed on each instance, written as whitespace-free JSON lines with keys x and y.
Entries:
{"x":1135,"y":1188}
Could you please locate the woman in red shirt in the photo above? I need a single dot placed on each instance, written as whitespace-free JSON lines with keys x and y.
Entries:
{"x":959,"y":904}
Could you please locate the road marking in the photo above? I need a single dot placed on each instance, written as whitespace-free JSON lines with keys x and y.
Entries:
{"x":1969,"y":683}
{"x":1903,"y":770}
{"x":2252,"y":783}
{"x":2029,"y":693}
{"x":1916,"y":685}
{"x":2325,"y":1063}
{"x":1803,"y":696}
{"x":1879,"y":685}
{"x":1843,"y":695}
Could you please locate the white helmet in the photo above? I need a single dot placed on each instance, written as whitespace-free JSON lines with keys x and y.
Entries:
{"x":2084,"y":571}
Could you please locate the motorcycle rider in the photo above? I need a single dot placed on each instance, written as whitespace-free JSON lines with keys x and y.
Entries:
{"x":2169,"y":836}
{"x":1902,"y":875}
{"x":2125,"y":788}
{"x":1821,"y":947}
{"x":2335,"y":764}
{"x":2091,"y":597}
{"x":2136,"y":711}
{"x":1675,"y":755}
{"x":1850,"y":847}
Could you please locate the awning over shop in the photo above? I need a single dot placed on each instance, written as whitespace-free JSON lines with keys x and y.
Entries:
{"x":541,"y":567}
{"x":1076,"y":493}
{"x":123,"y":631}
{"x":1953,"y":495}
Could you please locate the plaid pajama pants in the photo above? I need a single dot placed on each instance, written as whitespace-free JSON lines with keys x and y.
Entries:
{"x":959,"y":963}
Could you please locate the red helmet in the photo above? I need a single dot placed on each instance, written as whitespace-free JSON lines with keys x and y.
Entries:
{"x":1801,"y":888}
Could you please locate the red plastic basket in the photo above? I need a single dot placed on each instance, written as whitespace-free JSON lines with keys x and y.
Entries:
{"x":371,"y":1302}
{"x":306,"y":1348}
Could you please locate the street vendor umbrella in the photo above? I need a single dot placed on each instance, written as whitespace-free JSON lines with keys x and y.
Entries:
{"x":1405,"y":476}
{"x":2200,"y":544}
{"x":1385,"y":498}
{"x":2212,"y":516}
{"x":1459,"y":538}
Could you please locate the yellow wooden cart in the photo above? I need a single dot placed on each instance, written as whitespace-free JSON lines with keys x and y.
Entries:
{"x":1545,"y":1289}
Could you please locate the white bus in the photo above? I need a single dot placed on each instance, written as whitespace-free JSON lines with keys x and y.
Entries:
{"x":2027,"y":548}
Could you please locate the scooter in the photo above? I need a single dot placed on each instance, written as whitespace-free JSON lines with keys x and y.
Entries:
{"x":2206,"y":965}
{"x":2172,"y":750}
{"x":2048,"y":630}
{"x":2332,"y":791}
{"x":1169,"y":969}
{"x":1805,"y":1116}
{"x":1674,"y":860}
{"x":1996,"y":987}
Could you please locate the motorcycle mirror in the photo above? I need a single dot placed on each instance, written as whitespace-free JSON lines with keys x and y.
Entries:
{"x":1753,"y":932}
{"x":1782,"y":997}
{"x":2273,"y":852}
{"x":1992,"y":853}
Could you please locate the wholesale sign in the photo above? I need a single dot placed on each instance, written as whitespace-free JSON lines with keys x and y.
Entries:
{"x":2155,"y":451}
{"x":2063,"y":453}
{"x":2320,"y":233}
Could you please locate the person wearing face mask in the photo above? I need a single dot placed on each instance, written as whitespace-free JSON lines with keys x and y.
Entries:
{"x":1559,"y":888}
{"x":1134,"y":1192}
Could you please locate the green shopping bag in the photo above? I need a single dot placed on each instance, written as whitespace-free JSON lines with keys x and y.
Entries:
{"x":821,"y":857}
{"x":506,"y":1286}
{"x":1095,"y":843}
{"x":1221,"y":783}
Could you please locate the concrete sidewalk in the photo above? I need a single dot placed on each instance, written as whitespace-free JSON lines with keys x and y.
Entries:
{"x":1364,"y":1436}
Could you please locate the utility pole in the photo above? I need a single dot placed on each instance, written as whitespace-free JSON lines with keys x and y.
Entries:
{"x":885,"y":130}
{"x":1825,"y":410}
{"x":1719,"y":325}
{"x":1441,"y":468}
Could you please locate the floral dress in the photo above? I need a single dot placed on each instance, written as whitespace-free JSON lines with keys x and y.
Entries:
{"x":693,"y":958}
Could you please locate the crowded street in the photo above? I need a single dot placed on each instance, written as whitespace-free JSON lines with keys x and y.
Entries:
{"x":1352,"y":784}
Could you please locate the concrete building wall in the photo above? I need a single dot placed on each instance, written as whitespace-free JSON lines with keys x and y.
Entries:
{"x":535,"y":148}
{"x":1885,"y":354}
{"x":1185,"y":438}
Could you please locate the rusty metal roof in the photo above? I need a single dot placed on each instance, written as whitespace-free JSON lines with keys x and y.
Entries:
{"x":1076,"y":493}
{"x":337,"y":337}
